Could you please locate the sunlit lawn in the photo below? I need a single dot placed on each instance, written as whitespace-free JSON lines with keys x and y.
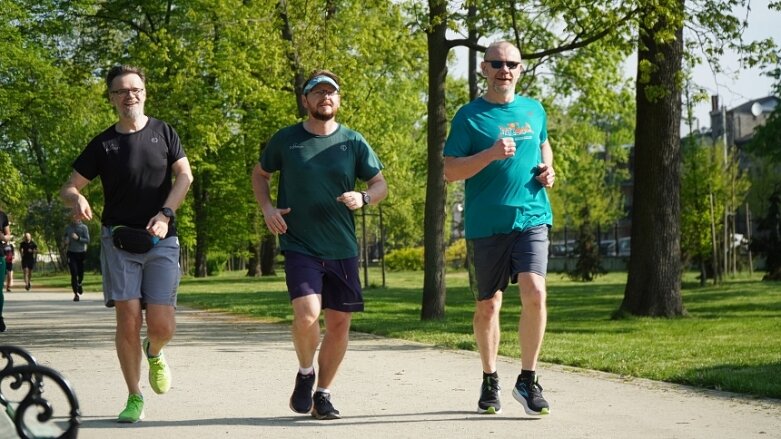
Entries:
{"x":730,"y":340}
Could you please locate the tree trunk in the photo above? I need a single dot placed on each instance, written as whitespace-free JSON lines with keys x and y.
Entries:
{"x":654,"y":283}
{"x":253,"y":264}
{"x":433,"y":306}
{"x":268,"y":249}
{"x":200,"y":201}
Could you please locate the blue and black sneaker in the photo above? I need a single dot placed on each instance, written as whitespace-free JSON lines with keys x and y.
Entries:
{"x":529,"y":394}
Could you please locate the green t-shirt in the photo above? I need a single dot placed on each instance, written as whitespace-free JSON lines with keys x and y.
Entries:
{"x":504,"y":196}
{"x":313,"y":172}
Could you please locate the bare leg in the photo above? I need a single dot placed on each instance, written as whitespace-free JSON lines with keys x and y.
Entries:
{"x":160,"y":326}
{"x":337,"y":335}
{"x":486,"y":329}
{"x":306,"y":328}
{"x":128,"y":342}
{"x":534,"y":317}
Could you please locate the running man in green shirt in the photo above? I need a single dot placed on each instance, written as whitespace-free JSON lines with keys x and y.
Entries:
{"x":319,"y":162}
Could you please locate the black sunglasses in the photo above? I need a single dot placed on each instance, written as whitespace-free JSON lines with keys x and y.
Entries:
{"x":499,"y":64}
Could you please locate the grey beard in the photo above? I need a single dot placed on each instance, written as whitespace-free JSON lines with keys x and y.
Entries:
{"x":133,"y":114}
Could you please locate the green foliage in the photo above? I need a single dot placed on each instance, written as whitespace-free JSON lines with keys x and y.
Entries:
{"x":455,"y":254}
{"x":588,"y":266}
{"x":405,"y":259}
{"x":216,"y":262}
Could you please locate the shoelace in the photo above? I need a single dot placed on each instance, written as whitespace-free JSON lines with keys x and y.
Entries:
{"x":325,"y":401}
{"x":135,"y":403}
{"x":491,"y":384}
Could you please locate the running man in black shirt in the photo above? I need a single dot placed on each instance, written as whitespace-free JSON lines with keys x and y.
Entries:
{"x":136,"y":159}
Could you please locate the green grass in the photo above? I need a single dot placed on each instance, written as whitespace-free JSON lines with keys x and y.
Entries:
{"x":730,"y":339}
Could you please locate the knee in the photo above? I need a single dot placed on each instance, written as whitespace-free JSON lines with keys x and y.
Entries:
{"x":487,"y":309}
{"x":534,"y":299}
{"x":304,"y":320}
{"x":161,"y":330}
{"x":339,"y":326}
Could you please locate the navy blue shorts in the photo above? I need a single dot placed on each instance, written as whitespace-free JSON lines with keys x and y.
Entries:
{"x":336,"y":280}
{"x":498,"y":259}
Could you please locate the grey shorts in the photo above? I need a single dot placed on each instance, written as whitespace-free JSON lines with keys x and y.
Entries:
{"x":498,"y":259}
{"x":152,"y":277}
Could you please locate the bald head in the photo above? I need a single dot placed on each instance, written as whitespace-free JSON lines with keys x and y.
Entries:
{"x":502,"y":49}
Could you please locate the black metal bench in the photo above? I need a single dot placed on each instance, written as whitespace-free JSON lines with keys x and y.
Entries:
{"x":28,"y":394}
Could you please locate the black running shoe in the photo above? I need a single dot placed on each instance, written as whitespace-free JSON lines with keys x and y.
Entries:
{"x":489,"y":402}
{"x":2,"y":323}
{"x":75,"y":297}
{"x":529,"y":394}
{"x":81,"y":290}
{"x":301,"y":400}
{"x":323,"y":409}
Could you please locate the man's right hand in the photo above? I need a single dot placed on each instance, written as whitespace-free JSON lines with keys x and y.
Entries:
{"x":503,"y":148}
{"x":274,"y":221}
{"x":81,"y":208}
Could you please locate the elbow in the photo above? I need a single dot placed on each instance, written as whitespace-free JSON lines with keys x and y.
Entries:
{"x":449,"y":177}
{"x":187,"y":177}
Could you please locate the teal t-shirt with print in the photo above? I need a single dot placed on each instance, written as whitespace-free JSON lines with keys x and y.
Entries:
{"x":313,"y":172}
{"x":504,"y":196}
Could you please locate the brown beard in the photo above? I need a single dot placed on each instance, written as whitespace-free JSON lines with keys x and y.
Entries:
{"x":324,"y":117}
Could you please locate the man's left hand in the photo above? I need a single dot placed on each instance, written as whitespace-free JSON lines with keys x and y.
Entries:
{"x":545,"y":175}
{"x":353,"y":200}
{"x":158,"y":225}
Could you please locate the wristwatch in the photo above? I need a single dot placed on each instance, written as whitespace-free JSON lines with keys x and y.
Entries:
{"x":366,"y":198}
{"x":168,"y":213}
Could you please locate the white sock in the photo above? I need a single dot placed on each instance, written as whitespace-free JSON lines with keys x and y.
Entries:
{"x":320,"y":389}
{"x":306,"y":370}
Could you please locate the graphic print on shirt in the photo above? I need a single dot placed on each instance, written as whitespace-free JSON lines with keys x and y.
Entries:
{"x":515,"y":129}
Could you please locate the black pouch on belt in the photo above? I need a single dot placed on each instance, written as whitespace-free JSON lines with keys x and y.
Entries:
{"x":131,"y":239}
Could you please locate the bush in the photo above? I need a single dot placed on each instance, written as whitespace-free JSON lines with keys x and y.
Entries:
{"x":405,"y":259}
{"x":411,"y":258}
{"x":216,"y":263}
{"x":455,"y":255}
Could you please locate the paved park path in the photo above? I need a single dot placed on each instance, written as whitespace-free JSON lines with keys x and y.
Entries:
{"x":233,"y":378}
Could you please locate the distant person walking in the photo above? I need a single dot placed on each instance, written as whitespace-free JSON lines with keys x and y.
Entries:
{"x":319,"y":161}
{"x":8,"y":255}
{"x":499,"y":144}
{"x":136,"y":159}
{"x":5,"y":236}
{"x":29,"y":250}
{"x":77,"y":240}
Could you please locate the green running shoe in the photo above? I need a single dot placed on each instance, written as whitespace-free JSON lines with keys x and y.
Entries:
{"x":159,"y":372}
{"x":134,"y":410}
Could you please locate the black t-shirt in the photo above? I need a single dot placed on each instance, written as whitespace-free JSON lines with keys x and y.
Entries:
{"x":3,"y":222}
{"x":135,"y":170}
{"x":28,"y":249}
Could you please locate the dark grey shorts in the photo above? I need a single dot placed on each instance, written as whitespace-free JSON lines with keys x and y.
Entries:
{"x":498,"y":259}
{"x":152,"y":277}
{"x":336,"y":280}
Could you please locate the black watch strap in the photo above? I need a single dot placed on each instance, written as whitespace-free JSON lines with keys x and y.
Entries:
{"x":366,"y":198}
{"x":168,"y":213}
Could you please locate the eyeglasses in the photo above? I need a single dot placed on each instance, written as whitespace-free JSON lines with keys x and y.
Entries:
{"x":127,"y":91}
{"x":499,"y":64}
{"x":320,"y":94}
